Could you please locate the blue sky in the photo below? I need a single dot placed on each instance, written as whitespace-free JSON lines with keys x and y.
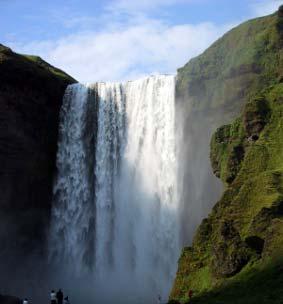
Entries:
{"x":114,"y":40}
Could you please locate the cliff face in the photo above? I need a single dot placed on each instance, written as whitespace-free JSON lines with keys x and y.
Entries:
{"x":211,"y":91}
{"x":236,"y":253}
{"x":31,"y":93}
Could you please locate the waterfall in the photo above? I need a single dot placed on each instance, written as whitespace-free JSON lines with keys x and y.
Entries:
{"x":115,"y":214}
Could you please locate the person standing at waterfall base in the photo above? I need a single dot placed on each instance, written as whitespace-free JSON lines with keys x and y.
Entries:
{"x":59,"y":296}
{"x":66,"y":300}
{"x":53,"y":297}
{"x":25,"y":301}
{"x":159,"y":299}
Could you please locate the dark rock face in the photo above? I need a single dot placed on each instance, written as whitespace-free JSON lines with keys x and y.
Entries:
{"x":255,"y":117}
{"x":31,"y":93}
{"x":227,"y":153}
{"x":235,"y":158}
{"x":204,"y":231}
{"x":230,"y":254}
{"x":263,"y":219}
{"x":255,"y":243}
{"x":9,"y":300}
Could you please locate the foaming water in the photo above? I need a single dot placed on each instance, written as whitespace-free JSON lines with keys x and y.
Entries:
{"x":115,"y":215}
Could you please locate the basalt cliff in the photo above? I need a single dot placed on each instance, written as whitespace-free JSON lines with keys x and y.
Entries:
{"x":31,"y":93}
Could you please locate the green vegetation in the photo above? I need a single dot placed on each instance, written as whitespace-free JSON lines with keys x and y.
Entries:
{"x":234,"y":68}
{"x":237,"y":252}
{"x":31,"y":65}
{"x":48,"y":67}
{"x":258,"y":283}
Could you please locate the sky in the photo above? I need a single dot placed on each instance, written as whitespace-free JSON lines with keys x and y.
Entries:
{"x":118,"y":40}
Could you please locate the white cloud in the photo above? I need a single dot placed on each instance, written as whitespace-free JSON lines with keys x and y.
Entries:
{"x":264,"y":7}
{"x":126,"y":52}
{"x":127,"y":46}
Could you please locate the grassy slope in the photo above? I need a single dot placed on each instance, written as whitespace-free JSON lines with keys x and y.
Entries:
{"x":232,"y":68}
{"x":236,"y":256}
{"x":32,"y":64}
{"x":48,"y":67}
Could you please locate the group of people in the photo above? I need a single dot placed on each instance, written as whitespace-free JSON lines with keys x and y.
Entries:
{"x":55,"y":297}
{"x":58,"y":297}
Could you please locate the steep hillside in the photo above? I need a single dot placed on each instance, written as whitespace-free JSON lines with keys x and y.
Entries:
{"x":211,"y":91}
{"x":236,"y":254}
{"x":31,"y":94}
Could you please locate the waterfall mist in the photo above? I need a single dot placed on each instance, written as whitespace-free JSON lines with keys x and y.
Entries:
{"x":134,"y":180}
{"x":198,"y":188}
{"x":115,"y":231}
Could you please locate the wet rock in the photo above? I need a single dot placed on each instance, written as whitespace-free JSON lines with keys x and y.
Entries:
{"x":255,"y":117}
{"x":230,"y":254}
{"x":255,"y":243}
{"x":235,"y":158}
{"x":263,"y":219}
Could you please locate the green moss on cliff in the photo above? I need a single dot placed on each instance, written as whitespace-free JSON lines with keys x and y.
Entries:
{"x":227,"y":151}
{"x":50,"y":68}
{"x":233,"y":67}
{"x":241,"y":241}
{"x":236,"y":255}
{"x":30,"y":64}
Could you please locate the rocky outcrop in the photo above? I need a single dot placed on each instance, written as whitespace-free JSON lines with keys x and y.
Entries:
{"x":230,"y":254}
{"x":31,"y":93}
